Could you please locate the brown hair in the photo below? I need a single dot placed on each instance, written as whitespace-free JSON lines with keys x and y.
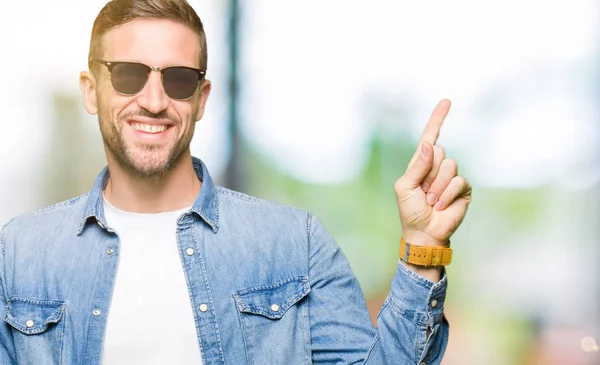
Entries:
{"x":119,"y":12}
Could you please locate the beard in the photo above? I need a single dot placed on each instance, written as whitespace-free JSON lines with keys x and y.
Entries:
{"x":143,"y":160}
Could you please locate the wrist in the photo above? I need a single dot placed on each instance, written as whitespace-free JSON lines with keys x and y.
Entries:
{"x":422,"y":240}
{"x":418,"y":238}
{"x":433,"y":274}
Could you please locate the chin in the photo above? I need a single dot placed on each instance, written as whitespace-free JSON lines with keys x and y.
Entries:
{"x":150,"y":171}
{"x":147,"y":161}
{"x":148,"y":164}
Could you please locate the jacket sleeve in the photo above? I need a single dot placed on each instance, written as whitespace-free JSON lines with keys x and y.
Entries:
{"x":411,"y":327}
{"x":7,"y":348}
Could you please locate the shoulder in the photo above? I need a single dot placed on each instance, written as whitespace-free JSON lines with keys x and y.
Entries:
{"x":227,"y":196}
{"x":256,"y":209}
{"x":50,"y":217}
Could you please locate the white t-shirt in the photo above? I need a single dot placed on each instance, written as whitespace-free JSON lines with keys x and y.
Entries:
{"x":150,"y":320}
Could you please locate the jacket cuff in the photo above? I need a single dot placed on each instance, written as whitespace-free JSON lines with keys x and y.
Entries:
{"x":416,"y":298}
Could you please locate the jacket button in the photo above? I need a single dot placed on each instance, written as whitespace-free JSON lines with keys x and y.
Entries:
{"x":110,"y":251}
{"x":275,"y":308}
{"x":29,"y":323}
{"x":189,"y":251}
{"x":433,"y":303}
{"x":203,"y":307}
{"x":96,"y":312}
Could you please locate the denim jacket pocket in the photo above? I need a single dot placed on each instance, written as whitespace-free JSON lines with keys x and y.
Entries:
{"x":274,"y":321}
{"x":38,"y":329}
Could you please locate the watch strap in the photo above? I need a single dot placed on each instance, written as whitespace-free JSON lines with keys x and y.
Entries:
{"x":425,"y":255}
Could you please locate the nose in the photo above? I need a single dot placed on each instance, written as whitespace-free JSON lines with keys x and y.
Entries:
{"x":153,"y":97}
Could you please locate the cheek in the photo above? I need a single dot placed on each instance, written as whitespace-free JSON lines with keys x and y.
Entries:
{"x":108,"y":115}
{"x":112,"y":107}
{"x":104,"y":89}
{"x":186,"y":114}
{"x":104,"y":101}
{"x":195,"y":112}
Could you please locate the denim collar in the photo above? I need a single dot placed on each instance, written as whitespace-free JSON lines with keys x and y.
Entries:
{"x":206,"y":205}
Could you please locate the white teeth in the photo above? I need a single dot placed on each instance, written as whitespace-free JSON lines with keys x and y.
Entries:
{"x":147,"y":128}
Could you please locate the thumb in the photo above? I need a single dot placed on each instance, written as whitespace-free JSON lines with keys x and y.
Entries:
{"x":421,"y":166}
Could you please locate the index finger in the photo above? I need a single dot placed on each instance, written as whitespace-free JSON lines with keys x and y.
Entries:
{"x":432,"y":129}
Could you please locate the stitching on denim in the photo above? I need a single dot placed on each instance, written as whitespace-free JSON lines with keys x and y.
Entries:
{"x":2,"y":244}
{"x":305,"y":328}
{"x":2,"y":273}
{"x":64,"y":203}
{"x":309,"y":228}
{"x":421,"y":280}
{"x":417,"y":342}
{"x":375,"y":341}
{"x":191,"y":293}
{"x":252,"y":199}
{"x":239,"y":313}
{"x":186,"y":267}
{"x":45,"y":303}
{"x":56,"y":314}
{"x":2,"y":236}
{"x":287,"y":305}
{"x":86,"y":343}
{"x":217,"y":211}
{"x":431,"y":351}
{"x":212,"y":306}
{"x":62,"y":340}
{"x":251,"y":289}
{"x":309,"y":221}
{"x":402,"y":310}
{"x":383,"y":306}
{"x":289,"y":302}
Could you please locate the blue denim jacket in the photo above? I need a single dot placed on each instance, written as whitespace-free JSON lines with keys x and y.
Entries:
{"x":58,"y":266}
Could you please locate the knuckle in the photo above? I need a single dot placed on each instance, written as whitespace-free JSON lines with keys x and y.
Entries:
{"x":399,"y":184}
{"x":451,"y":165}
{"x":437,"y":187}
{"x":466,"y":182}
{"x":439,"y":151}
{"x":430,"y":177}
{"x":463,"y":185}
{"x":460,"y":180}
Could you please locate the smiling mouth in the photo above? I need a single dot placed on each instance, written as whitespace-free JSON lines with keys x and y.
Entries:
{"x":148,"y":128}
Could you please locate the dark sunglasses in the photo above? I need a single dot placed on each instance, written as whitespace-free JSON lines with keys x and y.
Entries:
{"x":129,"y":78}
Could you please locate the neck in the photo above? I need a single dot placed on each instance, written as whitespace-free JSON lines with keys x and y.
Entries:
{"x":171,"y":191}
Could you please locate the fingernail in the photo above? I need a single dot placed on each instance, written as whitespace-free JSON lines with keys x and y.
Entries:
{"x":438,"y":205}
{"x":431,"y":198}
{"x":425,"y":187}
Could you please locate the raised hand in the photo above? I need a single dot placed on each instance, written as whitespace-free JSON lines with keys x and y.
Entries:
{"x":432,"y":197}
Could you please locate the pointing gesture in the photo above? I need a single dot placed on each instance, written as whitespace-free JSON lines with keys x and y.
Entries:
{"x":432,"y":197}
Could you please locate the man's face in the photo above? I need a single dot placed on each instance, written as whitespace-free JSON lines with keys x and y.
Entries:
{"x":146,"y":133}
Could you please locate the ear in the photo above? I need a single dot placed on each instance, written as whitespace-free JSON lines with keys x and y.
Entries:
{"x":204,"y":93}
{"x":87,"y":84}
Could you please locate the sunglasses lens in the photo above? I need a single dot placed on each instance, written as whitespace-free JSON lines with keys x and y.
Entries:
{"x":129,"y":78}
{"x":180,"y":82}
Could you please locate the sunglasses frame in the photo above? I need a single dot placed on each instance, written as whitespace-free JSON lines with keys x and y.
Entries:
{"x":111,"y":64}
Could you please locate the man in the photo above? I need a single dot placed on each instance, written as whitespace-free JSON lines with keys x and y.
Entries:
{"x":156,"y":265}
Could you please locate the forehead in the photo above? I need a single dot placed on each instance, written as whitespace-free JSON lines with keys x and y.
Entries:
{"x":156,"y":42}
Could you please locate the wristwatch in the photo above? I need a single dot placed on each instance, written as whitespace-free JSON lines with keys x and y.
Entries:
{"x":430,"y":256}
